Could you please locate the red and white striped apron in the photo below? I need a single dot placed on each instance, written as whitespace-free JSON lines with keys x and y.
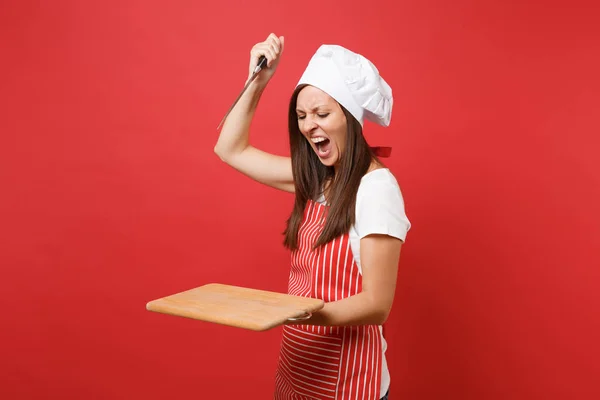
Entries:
{"x":319,"y":362}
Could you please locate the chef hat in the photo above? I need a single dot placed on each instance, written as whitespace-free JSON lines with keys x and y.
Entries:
{"x":353,"y":81}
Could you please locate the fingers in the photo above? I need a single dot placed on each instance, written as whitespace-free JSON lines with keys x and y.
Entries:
{"x":274,"y":42}
{"x":270,"y":48}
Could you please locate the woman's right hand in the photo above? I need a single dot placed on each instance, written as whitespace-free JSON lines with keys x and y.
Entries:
{"x":272,"y":48}
{"x":233,"y":146}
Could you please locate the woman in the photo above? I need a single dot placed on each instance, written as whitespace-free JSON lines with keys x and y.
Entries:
{"x":347,"y":226}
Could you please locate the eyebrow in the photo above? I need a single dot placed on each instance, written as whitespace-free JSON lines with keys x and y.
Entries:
{"x":314,"y":108}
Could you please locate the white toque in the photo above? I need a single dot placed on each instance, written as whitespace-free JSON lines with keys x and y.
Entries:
{"x":353,"y":81}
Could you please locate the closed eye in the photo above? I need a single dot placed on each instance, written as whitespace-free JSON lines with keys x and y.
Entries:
{"x":321,"y":115}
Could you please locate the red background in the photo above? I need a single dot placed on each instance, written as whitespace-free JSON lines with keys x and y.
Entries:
{"x":112,"y":195}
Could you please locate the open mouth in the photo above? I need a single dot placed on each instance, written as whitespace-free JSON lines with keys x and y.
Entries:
{"x":323,"y":146}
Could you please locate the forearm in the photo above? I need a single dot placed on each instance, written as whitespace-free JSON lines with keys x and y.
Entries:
{"x":360,"y":309}
{"x":234,"y":136}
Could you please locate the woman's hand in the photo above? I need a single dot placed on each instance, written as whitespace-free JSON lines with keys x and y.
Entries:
{"x":272,"y":48}
{"x":233,"y":145}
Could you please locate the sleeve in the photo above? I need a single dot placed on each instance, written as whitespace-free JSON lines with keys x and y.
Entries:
{"x":380,"y":210}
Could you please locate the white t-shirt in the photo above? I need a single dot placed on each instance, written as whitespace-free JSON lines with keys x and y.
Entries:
{"x":379,"y":210}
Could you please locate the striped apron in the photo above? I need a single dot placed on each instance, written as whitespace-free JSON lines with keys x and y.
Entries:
{"x":319,"y":362}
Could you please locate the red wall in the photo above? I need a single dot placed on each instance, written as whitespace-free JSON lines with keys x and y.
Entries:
{"x":112,"y":195}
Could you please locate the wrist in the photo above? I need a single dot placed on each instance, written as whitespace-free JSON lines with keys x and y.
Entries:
{"x":256,"y":86}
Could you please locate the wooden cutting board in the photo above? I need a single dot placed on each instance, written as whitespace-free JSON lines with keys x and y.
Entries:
{"x":253,"y":309}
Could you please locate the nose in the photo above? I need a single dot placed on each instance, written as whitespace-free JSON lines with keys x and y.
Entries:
{"x":309,"y":124}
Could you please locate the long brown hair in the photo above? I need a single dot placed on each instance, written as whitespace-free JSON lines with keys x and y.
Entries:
{"x":311,"y":176}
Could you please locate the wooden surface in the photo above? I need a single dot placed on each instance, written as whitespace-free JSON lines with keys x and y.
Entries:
{"x":236,"y":306}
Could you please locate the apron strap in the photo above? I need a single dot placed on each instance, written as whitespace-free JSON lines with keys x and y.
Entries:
{"x":382,"y":152}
